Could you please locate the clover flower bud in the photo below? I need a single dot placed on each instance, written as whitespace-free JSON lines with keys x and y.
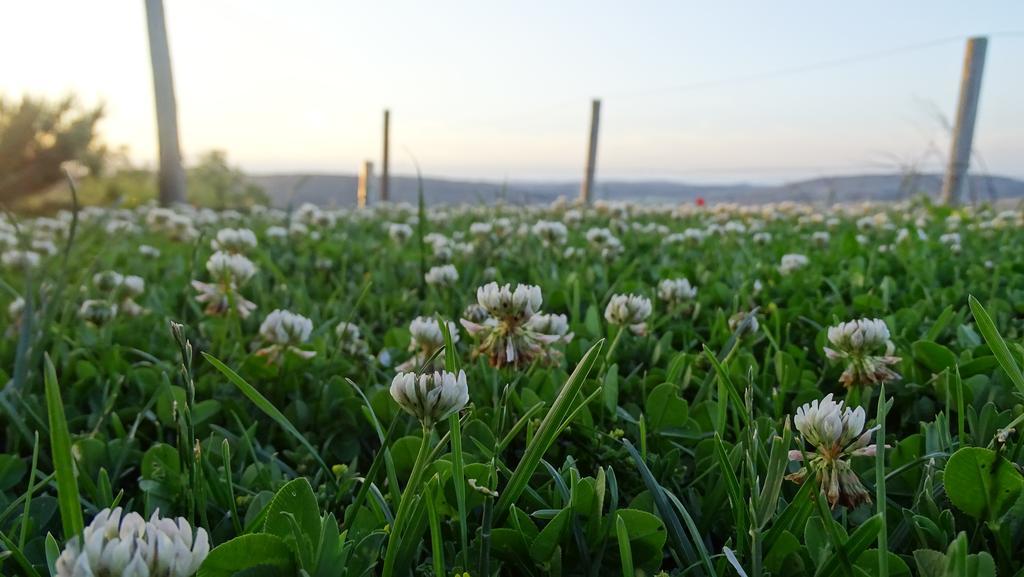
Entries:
{"x":430,"y":397}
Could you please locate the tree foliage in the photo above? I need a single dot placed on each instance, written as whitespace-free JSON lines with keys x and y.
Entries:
{"x":37,"y":137}
{"x":214,"y":182}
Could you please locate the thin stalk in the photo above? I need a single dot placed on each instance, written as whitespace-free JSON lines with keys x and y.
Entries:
{"x":614,"y":345}
{"x":394,"y":537}
{"x":883,"y":535}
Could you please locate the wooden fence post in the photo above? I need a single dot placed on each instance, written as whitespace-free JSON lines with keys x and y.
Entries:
{"x":172,"y":174}
{"x":586,"y":191}
{"x":385,"y":176}
{"x":966,"y":113}
{"x":365,"y":176}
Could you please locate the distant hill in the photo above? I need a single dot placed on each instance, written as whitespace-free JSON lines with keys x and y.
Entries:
{"x":339,"y":190}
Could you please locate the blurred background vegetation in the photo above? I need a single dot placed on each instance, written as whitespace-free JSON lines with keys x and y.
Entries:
{"x":40,"y":139}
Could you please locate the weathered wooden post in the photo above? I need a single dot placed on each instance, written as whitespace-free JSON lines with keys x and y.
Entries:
{"x":365,"y":176}
{"x":385,"y":176}
{"x":172,"y":174}
{"x":966,"y":114}
{"x":586,"y":191}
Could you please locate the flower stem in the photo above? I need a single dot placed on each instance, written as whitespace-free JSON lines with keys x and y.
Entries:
{"x":614,"y":345}
{"x":394,"y":537}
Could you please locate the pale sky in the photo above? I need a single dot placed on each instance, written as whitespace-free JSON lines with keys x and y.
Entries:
{"x":497,"y":89}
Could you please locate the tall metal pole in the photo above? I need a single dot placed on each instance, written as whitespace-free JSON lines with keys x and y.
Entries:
{"x":385,"y":176}
{"x":365,"y":176}
{"x":966,"y":113}
{"x":586,"y":191}
{"x":172,"y":174}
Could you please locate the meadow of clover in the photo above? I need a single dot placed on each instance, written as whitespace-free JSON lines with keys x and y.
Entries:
{"x":616,"y":389}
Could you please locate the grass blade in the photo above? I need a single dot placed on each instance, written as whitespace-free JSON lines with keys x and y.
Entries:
{"x":267,"y":407}
{"x":625,"y":551}
{"x":681,"y":545}
{"x":60,"y":445}
{"x":547,"y":432}
{"x":996,"y":343}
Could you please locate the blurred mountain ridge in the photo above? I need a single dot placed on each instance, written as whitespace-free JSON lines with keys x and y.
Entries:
{"x":339,"y":190}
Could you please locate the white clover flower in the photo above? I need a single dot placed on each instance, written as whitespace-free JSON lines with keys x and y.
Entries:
{"x":44,"y":246}
{"x":504,"y":303}
{"x":612,"y":249}
{"x":676,"y":290}
{"x":234,"y":240}
{"x":149,"y":251}
{"x":15,"y":315}
{"x":425,"y":338}
{"x":502,"y":227}
{"x":276,"y":232}
{"x":821,"y":238}
{"x":128,"y":546}
{"x":694,"y":235}
{"x":430,"y":397}
{"x":229,"y":272}
{"x":509,"y":328}
{"x":792,"y":262}
{"x":123,"y":289}
{"x":836,"y":433}
{"x":629,"y":310}
{"x":220,"y":298}
{"x":442,"y":276}
{"x":427,"y":334}
{"x":351,"y":340}
{"x":231,"y":267}
{"x":551,"y":324}
{"x":762,"y":237}
{"x":475,"y":313}
{"x":20,"y":260}
{"x":133,"y":285}
{"x":602,"y":238}
{"x":107,"y":281}
{"x":736,"y":322}
{"x":867,"y":349}
{"x":952,"y":240}
{"x":180,"y":228}
{"x":399,"y":232}
{"x":284,"y":330}
{"x":481,"y":229}
{"x":16,"y":309}
{"x":97,"y":311}
{"x":550,"y":233}
{"x":121,"y":227}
